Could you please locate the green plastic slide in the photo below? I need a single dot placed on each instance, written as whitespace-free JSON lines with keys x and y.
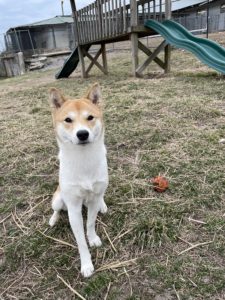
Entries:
{"x":70,"y":64}
{"x":207,"y":51}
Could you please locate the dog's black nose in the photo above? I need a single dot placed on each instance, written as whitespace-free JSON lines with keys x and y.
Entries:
{"x":82,"y":135}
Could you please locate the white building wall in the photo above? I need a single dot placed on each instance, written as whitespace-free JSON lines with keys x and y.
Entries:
{"x":62,"y":36}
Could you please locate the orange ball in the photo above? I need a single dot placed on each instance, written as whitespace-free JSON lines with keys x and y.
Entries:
{"x":160,"y":184}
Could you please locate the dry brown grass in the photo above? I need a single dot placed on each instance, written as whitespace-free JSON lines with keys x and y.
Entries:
{"x":155,"y":246}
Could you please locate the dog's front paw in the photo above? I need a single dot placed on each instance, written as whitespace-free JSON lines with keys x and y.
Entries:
{"x":87,"y":270}
{"x":54,"y":218}
{"x":103,"y":208}
{"x":95,"y":241}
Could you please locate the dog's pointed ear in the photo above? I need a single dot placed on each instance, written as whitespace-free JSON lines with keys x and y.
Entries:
{"x":56,"y":98}
{"x":94,"y":94}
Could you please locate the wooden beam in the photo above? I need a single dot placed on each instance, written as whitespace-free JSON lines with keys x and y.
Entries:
{"x":141,"y":68}
{"x":140,"y":29}
{"x":149,"y":52}
{"x":94,"y":61}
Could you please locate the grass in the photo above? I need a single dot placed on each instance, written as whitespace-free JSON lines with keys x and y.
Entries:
{"x":168,"y":125}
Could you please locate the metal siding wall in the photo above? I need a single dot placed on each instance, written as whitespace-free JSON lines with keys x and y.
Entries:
{"x":62,"y":36}
{"x":222,"y":22}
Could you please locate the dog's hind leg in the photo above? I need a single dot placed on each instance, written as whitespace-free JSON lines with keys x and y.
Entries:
{"x":57,"y":205}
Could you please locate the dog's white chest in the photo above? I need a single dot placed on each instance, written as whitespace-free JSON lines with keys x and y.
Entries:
{"x":84,"y":172}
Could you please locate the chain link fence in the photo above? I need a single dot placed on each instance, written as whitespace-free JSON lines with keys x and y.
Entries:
{"x":39,"y":40}
{"x":215,"y":23}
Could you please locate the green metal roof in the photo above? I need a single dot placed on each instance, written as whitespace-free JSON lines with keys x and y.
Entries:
{"x":57,"y":20}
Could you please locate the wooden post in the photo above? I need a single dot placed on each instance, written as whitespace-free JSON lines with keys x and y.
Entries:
{"x":168,"y":47}
{"x":134,"y":35}
{"x":168,"y":9}
{"x":160,"y":10}
{"x":100,"y":17}
{"x":167,"y":58}
{"x":21,"y":63}
{"x":110,"y":20}
{"x":32,"y":44}
{"x":77,"y":38}
{"x":74,"y":13}
{"x":6,"y":42}
{"x":124,"y":17}
{"x":104,"y":59}
{"x":17,"y":39}
{"x":134,"y":52}
{"x":105,"y":20}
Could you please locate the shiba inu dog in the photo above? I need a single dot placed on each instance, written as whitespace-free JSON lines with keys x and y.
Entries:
{"x":83,"y":173}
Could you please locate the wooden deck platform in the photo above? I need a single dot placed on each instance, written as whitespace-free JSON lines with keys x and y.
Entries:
{"x":110,"y":21}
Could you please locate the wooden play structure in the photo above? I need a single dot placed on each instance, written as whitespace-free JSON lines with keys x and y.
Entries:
{"x":110,"y":21}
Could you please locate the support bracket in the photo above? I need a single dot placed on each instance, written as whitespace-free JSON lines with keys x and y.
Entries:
{"x":94,"y":61}
{"x":152,"y":56}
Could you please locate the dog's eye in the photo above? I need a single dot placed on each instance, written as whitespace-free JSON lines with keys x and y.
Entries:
{"x":90,"y":118}
{"x":68,"y":120}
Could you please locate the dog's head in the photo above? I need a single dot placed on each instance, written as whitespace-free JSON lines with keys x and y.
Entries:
{"x":77,"y":121}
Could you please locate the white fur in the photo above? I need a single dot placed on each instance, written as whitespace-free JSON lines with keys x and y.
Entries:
{"x":83,"y":179}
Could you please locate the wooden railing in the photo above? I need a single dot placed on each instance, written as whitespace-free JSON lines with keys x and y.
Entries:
{"x":108,"y":19}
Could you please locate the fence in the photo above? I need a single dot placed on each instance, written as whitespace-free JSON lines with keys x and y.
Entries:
{"x":215,"y":23}
{"x":39,"y":40}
